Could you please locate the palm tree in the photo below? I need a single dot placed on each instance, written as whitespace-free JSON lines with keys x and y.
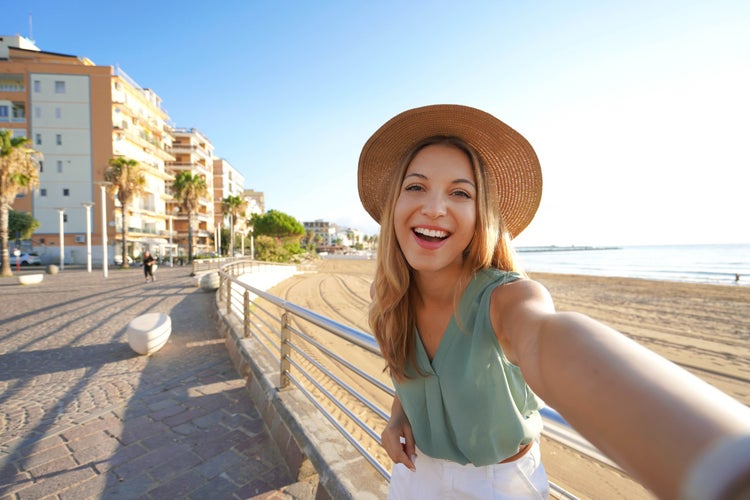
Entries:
{"x":188,"y":189}
{"x":19,"y":173}
{"x":233,"y":206}
{"x":128,"y":182}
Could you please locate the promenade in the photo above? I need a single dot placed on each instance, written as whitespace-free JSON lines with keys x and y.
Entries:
{"x":83,"y":416}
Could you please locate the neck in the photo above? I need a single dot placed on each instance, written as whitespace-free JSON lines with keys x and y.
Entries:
{"x":439,"y":288}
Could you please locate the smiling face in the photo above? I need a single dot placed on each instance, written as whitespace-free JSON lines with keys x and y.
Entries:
{"x":435,"y":214}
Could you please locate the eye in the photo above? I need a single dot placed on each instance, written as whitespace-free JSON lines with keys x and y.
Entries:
{"x":461,"y":193}
{"x":413,"y":187}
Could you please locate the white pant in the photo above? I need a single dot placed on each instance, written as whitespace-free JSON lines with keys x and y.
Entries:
{"x":434,"y":478}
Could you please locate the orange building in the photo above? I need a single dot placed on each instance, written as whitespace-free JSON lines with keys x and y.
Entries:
{"x":79,"y":115}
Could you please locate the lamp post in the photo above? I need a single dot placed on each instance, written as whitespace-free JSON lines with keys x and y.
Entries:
{"x":105,"y":260}
{"x":171,"y":248}
{"x":88,"y":206}
{"x":61,"y":211}
{"x":252,"y":243}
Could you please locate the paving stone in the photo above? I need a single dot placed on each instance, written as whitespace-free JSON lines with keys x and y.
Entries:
{"x":88,"y":418}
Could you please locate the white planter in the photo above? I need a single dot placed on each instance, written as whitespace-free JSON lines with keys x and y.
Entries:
{"x":30,"y":279}
{"x":148,"y":333}
{"x":210,"y":282}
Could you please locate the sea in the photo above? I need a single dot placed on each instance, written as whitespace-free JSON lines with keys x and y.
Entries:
{"x":713,"y":264}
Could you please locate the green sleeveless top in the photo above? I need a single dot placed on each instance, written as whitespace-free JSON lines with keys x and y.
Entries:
{"x":473,"y":405}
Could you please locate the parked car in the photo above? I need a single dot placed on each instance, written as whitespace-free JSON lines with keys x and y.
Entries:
{"x":26,"y":258}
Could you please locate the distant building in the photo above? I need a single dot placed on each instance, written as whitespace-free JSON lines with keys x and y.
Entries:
{"x":331,"y":237}
{"x":79,"y":115}
{"x":256,"y":203}
{"x":194,"y":153}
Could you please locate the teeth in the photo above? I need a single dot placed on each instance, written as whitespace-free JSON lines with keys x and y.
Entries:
{"x":432,"y":233}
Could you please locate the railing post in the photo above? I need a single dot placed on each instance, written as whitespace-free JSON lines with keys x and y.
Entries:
{"x":286,"y":351}
{"x":229,"y":296}
{"x":246,"y":314}
{"x":222,"y":279}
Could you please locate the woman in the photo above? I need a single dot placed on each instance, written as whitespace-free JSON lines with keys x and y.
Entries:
{"x":472,"y":344}
{"x":148,"y":266}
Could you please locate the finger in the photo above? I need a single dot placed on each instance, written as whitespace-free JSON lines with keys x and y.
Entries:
{"x":407,"y":452}
{"x":408,"y":442}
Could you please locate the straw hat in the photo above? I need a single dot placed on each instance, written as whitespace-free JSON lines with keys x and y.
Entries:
{"x":508,"y":158}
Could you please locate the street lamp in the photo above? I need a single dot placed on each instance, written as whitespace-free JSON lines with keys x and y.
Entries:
{"x":88,"y":206}
{"x":252,"y":243}
{"x":171,"y":248}
{"x":105,"y":259}
{"x":61,"y":211}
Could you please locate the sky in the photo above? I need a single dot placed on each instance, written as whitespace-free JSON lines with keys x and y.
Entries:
{"x":638,"y":110}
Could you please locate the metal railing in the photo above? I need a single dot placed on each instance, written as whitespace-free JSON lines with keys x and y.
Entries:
{"x":350,"y":398}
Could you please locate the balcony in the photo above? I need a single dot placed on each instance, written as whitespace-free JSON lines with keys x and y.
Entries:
{"x":12,"y":87}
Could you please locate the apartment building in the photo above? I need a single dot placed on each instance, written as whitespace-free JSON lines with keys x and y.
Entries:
{"x":332,"y":238}
{"x":228,"y":181}
{"x":256,"y":201}
{"x":79,"y":115}
{"x":193,"y":152}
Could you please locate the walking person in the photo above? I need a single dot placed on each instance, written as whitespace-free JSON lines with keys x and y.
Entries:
{"x":148,"y":265}
{"x":475,"y":348}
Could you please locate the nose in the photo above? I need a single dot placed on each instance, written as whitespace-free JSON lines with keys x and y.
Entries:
{"x":434,"y":206}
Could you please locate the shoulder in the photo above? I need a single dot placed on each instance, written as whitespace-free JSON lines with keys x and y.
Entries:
{"x":519,"y":291}
{"x":517,"y":309}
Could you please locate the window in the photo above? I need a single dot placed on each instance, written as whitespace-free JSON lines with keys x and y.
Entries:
{"x":37,"y":86}
{"x":37,"y":112}
{"x":38,"y":139}
{"x":43,"y":192}
{"x":59,"y":87}
{"x":58,"y":112}
{"x":4,"y":113}
{"x":65,"y":217}
{"x":41,"y":166}
{"x":59,"y":166}
{"x":66,"y":192}
{"x":58,"y":139}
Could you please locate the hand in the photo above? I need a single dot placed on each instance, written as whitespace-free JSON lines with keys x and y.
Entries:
{"x":397,"y":438}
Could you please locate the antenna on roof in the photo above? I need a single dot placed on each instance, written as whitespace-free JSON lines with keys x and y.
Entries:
{"x":31,"y":28}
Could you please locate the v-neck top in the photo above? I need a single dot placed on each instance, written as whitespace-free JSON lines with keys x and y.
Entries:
{"x":473,"y":405}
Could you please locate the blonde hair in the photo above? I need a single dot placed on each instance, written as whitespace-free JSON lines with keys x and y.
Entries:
{"x":391,"y":314}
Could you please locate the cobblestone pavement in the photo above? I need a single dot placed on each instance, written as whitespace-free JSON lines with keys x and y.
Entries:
{"x":82,"y":415}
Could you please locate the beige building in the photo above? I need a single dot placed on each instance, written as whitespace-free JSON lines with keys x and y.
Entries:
{"x":194,"y":153}
{"x":256,"y":201}
{"x":79,"y":115}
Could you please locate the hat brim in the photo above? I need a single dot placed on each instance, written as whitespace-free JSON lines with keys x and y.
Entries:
{"x":507,"y":156}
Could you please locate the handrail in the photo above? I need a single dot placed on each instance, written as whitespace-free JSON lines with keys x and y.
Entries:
{"x":293,"y":356}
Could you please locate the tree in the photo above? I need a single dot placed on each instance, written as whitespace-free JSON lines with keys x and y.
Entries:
{"x":19,"y":173}
{"x":233,"y":206}
{"x":277,"y":224}
{"x":188,"y":189}
{"x":127,"y":182}
{"x":22,"y":223}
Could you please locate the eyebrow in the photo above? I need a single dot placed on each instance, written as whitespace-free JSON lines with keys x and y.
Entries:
{"x":460,"y":180}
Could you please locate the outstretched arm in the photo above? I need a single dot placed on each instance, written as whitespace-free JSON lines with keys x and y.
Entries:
{"x":653,"y":418}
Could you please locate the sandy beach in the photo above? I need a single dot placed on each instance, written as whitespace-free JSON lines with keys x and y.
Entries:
{"x":703,"y":328}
